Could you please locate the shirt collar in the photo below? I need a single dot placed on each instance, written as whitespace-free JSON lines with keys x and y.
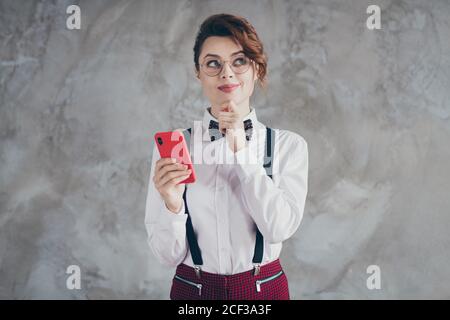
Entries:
{"x":207,"y":117}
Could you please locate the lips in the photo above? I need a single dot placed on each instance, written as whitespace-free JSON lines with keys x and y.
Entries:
{"x":228,"y":87}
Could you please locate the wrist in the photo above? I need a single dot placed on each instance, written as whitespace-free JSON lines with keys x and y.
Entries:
{"x":236,"y":142}
{"x":174,"y":208}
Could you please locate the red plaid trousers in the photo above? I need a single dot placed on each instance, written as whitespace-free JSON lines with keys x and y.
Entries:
{"x":270,"y":284}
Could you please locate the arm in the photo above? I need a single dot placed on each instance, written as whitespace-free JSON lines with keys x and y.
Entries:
{"x":166,"y":230}
{"x":276,"y":210}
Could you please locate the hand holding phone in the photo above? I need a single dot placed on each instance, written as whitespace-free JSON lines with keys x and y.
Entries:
{"x":173,"y":170}
{"x":172,"y":144}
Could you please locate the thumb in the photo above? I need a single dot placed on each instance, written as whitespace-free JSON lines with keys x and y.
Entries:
{"x":234,"y":108}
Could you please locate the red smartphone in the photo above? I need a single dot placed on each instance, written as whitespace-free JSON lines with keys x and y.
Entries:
{"x":172,"y":144}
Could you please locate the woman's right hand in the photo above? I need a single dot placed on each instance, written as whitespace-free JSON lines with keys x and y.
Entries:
{"x":168,"y":174}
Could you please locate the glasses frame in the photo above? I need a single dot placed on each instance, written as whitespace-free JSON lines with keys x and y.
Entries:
{"x":223,"y":64}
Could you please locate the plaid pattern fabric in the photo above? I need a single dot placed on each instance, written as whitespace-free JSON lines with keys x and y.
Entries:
{"x":273,"y":284}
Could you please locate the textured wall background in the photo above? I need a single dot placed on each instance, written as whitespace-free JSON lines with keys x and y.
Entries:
{"x":78,"y":110}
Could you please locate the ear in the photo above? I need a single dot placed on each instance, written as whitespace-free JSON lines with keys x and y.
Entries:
{"x":255,"y":73}
{"x":197,"y":74}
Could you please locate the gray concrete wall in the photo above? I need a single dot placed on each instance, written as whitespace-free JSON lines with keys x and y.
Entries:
{"x":78,"y":110}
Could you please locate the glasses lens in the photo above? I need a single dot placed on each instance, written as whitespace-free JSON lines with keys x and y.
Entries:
{"x":240,"y":64}
{"x":213,"y":67}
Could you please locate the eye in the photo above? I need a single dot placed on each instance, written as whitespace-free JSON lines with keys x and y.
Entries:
{"x":240,"y":61}
{"x":213,"y":64}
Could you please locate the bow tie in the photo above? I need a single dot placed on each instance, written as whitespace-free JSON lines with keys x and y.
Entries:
{"x":215,"y":134}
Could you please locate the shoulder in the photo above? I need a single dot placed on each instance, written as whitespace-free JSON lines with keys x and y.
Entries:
{"x":290,"y":139}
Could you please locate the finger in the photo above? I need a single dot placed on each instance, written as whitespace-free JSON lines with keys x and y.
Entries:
{"x":228,"y":117}
{"x":176,"y":181}
{"x":228,"y":121}
{"x":225,"y":127}
{"x":225,"y":124}
{"x":222,"y":129}
{"x":232,"y":106}
{"x":224,"y":106}
{"x":237,"y":128}
{"x":162,"y":162}
{"x":160,"y":183}
{"x":169,"y":168}
{"x":173,"y":174}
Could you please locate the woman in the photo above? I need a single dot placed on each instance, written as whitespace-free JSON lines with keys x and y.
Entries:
{"x":224,"y":232}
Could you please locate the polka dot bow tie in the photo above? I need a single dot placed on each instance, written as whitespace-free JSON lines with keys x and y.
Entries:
{"x":215,"y":134}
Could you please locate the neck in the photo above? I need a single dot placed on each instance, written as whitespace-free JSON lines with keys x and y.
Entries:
{"x":243,"y":109}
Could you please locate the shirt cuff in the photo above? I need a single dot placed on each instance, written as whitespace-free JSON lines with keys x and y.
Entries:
{"x":172,"y":220}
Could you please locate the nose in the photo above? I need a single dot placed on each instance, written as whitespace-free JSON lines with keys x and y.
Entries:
{"x":226,"y":72}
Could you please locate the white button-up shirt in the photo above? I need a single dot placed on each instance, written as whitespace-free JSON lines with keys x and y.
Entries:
{"x":231,"y":195}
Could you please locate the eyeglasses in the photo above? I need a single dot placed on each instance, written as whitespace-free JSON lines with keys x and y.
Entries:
{"x":212,"y":66}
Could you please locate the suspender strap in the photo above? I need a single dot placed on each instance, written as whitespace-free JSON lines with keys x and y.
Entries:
{"x":187,"y":137}
{"x":268,"y":163}
{"x":269,"y":151}
{"x":259,"y":243}
{"x":190,"y":234}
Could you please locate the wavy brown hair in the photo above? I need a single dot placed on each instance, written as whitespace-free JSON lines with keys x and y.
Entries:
{"x":225,"y":25}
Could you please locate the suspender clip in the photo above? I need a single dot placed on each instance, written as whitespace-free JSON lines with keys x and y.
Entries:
{"x":257,"y":269}
{"x":197,"y":270}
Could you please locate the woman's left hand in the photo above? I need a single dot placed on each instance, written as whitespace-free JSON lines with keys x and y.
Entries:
{"x":231,"y":122}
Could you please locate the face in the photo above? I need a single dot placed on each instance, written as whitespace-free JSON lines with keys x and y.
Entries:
{"x":214,"y":51}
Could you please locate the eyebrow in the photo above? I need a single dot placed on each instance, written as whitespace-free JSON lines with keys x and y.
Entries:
{"x":216,"y":55}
